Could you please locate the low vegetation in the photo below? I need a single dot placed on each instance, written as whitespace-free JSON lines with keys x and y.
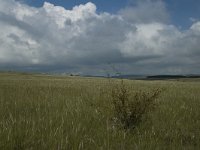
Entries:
{"x":130,"y":107}
{"x":52,"y":112}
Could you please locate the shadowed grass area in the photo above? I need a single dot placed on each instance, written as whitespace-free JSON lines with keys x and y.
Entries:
{"x":52,"y":112}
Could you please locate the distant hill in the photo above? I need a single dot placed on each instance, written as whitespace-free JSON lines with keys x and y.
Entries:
{"x":163,"y":77}
{"x":155,"y":77}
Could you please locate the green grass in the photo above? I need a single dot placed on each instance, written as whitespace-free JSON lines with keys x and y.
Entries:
{"x":52,"y":112}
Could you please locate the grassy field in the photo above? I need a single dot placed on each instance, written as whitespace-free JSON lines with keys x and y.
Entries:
{"x":52,"y":112}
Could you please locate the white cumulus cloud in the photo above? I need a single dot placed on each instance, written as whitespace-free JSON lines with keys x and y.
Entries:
{"x":83,"y":40}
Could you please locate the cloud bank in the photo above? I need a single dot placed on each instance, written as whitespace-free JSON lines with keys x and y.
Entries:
{"x":138,"y":39}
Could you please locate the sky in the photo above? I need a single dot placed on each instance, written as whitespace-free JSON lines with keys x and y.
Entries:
{"x":94,"y":37}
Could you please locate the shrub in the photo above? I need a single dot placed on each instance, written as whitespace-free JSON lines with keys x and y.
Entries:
{"x":131,"y":106}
